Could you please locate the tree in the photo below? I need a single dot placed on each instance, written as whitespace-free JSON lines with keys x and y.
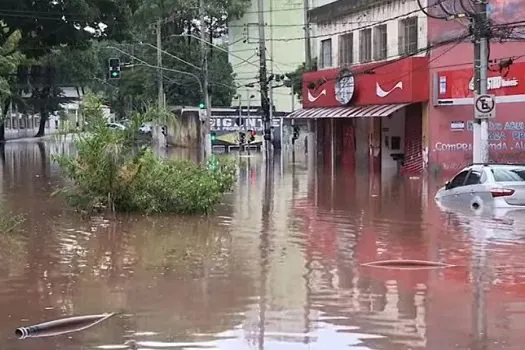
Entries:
{"x":58,"y":24}
{"x":179,"y":18}
{"x":137,"y":86}
{"x":66,"y":23}
{"x":10,"y":57}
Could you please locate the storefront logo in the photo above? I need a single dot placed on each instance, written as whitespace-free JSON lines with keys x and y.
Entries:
{"x":344,"y":87}
{"x":496,"y":83}
{"x":382,"y":93}
{"x":313,"y":98}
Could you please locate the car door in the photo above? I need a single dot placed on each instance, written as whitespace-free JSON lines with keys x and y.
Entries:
{"x":473,"y":188}
{"x":451,"y":196}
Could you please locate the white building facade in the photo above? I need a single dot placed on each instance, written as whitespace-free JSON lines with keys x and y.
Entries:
{"x":350,"y":32}
{"x":285,"y":50}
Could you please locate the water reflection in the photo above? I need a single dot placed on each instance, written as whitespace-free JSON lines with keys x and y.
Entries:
{"x":279,"y":266}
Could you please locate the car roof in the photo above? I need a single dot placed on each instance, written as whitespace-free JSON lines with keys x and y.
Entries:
{"x":493,"y":166}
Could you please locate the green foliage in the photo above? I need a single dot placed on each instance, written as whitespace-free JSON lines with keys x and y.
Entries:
{"x":47,"y":24}
{"x":109,"y":172}
{"x":296,"y":78}
{"x":9,"y":60}
{"x":137,"y":87}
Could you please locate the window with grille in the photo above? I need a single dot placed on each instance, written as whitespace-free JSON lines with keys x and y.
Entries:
{"x":365,"y":45}
{"x":326,"y":53}
{"x":380,"y":43}
{"x":346,"y":49}
{"x":408,"y":36}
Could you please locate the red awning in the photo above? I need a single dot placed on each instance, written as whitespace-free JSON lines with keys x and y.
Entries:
{"x":370,"y":111}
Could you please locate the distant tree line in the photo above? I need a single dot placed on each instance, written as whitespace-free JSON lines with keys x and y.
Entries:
{"x":46,"y":45}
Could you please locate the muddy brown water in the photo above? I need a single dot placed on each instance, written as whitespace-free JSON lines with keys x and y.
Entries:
{"x":279,"y":266}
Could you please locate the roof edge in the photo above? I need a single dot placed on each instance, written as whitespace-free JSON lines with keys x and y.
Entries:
{"x":342,"y":8}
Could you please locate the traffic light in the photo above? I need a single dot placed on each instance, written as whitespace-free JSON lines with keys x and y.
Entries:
{"x":295,"y":133}
{"x":213,"y":136}
{"x":202,"y":111}
{"x":242,"y":138}
{"x":252,"y":134}
{"x":114,"y":68}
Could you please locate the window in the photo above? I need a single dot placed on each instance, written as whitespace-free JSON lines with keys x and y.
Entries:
{"x":458,"y":180}
{"x":509,"y":174}
{"x":474,"y":178}
{"x":365,"y":45}
{"x":346,"y":49}
{"x":408,"y":36}
{"x":326,"y":53}
{"x":380,"y":43}
{"x":395,"y":143}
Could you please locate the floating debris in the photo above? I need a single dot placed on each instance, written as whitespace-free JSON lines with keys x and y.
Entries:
{"x":402,"y":264}
{"x":61,"y":326}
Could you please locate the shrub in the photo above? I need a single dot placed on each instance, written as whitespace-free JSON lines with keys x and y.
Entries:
{"x":110,"y":172}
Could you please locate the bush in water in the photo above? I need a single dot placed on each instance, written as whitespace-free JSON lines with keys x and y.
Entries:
{"x":110,"y":172}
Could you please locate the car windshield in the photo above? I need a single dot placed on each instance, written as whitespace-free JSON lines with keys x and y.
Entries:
{"x":509,"y":174}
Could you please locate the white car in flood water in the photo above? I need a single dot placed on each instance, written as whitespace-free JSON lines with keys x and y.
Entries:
{"x":483,"y":187}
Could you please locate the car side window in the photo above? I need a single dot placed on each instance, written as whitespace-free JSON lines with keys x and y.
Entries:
{"x":458,"y":180}
{"x":474,"y":178}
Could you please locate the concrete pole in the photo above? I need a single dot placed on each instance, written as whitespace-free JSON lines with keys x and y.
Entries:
{"x":307,"y":41}
{"x":483,"y":88}
{"x":205,"y":123}
{"x":159,"y":65}
{"x":476,"y":125}
{"x":482,"y":33}
{"x":263,"y":80}
{"x":480,"y":146}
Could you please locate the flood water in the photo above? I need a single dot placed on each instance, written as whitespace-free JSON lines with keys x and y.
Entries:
{"x":279,"y":266}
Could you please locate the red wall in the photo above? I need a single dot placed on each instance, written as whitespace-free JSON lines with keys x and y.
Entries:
{"x":440,"y":137}
{"x":413,"y":141}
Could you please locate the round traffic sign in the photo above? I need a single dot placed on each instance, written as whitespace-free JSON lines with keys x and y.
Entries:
{"x":485,"y":103}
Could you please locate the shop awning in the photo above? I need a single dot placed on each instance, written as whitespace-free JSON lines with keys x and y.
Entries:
{"x":370,"y":111}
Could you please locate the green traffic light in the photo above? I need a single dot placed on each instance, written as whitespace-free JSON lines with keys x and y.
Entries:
{"x":201,"y":106}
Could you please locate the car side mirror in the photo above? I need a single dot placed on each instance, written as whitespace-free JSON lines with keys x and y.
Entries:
{"x":447,"y":185}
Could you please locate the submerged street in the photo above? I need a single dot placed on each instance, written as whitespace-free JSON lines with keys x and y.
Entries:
{"x":278,"y":266}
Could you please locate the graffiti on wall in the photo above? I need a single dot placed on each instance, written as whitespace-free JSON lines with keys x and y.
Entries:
{"x":503,"y":137}
{"x":506,"y":145}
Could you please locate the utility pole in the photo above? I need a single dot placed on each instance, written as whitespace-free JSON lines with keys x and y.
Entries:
{"x":312,"y":124}
{"x":263,"y":79}
{"x":159,"y":65}
{"x":307,"y":41}
{"x":481,"y":155}
{"x":483,"y":76}
{"x":480,"y":146}
{"x":205,"y":122}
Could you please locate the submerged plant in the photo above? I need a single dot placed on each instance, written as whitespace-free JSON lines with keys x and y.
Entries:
{"x":110,"y":171}
{"x":8,"y":221}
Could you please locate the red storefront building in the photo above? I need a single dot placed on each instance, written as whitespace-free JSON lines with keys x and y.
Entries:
{"x":451,"y":84}
{"x":369,"y":116}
